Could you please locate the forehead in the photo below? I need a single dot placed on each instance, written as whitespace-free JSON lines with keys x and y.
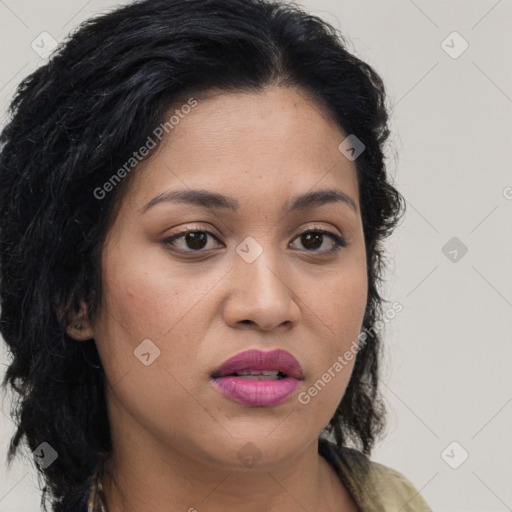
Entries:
{"x":278,"y":117}
{"x":279,"y":141}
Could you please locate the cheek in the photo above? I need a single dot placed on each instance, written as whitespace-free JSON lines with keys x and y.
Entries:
{"x":144,"y":293}
{"x":339,"y":305}
{"x":338,"y":310}
{"x":145,"y":299}
{"x":142,"y":306}
{"x":347,"y":316}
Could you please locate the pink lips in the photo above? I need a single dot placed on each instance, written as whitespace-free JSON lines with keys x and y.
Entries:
{"x":264,"y":392}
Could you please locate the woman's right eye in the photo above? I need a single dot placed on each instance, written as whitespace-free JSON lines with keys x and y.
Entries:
{"x":195,"y":240}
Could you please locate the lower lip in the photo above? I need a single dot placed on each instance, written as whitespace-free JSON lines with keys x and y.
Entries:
{"x":256,"y":393}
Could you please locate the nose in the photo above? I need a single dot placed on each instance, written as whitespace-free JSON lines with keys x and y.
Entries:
{"x":261,"y":294}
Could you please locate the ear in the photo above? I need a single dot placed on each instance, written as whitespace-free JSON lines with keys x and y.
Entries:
{"x":79,"y":327}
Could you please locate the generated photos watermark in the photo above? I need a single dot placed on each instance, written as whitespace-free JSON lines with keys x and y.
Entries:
{"x":343,"y":360}
{"x":143,"y":151}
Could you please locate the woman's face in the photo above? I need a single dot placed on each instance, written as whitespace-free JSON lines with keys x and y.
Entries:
{"x":245,"y":278}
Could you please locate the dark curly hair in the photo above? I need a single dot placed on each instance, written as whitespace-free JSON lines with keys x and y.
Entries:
{"x":77,"y":119}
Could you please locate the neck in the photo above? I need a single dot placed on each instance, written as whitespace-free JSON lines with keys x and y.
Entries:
{"x":175,"y":484}
{"x":150,"y":473}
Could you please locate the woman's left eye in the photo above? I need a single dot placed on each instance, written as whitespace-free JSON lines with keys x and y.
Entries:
{"x":312,"y":240}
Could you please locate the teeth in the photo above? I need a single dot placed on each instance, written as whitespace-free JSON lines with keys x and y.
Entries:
{"x":258,"y":372}
{"x":259,"y":377}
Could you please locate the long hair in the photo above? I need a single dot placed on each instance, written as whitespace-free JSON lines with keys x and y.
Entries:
{"x":77,"y":119}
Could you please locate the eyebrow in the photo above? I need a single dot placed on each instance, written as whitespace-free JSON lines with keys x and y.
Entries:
{"x":207,"y":199}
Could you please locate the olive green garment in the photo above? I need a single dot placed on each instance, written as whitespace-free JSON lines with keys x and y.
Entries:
{"x":373,"y":486}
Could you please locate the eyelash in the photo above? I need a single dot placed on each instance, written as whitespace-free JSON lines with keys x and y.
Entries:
{"x":339,"y":242}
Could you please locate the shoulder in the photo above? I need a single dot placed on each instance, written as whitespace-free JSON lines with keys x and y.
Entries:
{"x":395,"y":491}
{"x":375,"y":487}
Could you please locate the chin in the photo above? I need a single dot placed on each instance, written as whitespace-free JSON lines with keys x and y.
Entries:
{"x":261,"y":449}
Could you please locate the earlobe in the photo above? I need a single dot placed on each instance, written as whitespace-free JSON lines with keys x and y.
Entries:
{"x":80,"y":331}
{"x":79,"y":327}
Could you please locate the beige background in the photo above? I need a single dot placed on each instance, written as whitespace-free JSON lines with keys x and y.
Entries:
{"x":448,"y":356}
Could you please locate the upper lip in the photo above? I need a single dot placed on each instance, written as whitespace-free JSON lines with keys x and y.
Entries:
{"x":255,"y":360}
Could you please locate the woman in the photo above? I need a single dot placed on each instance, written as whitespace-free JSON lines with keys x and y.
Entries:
{"x":193,"y":199}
